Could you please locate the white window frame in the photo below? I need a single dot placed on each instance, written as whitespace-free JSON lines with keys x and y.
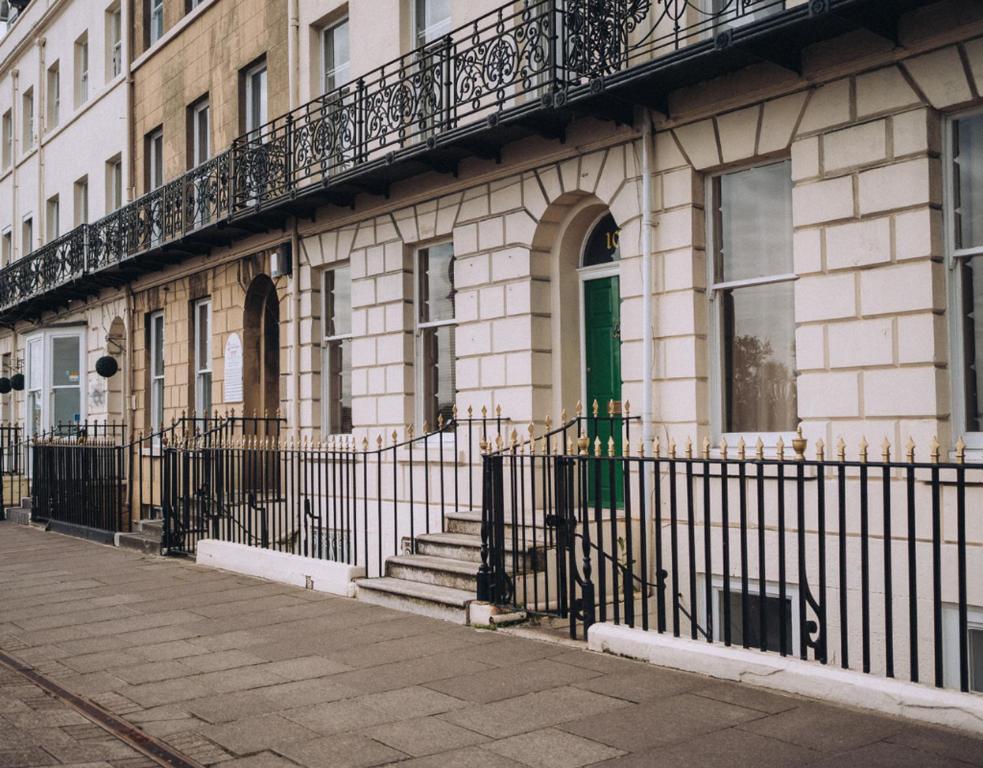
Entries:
{"x":201,"y":408}
{"x":27,"y":121}
{"x":199,"y":107}
{"x":27,"y":235}
{"x":330,"y":71}
{"x":114,"y":37}
{"x":950,"y":640}
{"x":155,"y":159}
{"x":771,"y":590}
{"x":8,"y":138}
{"x":43,"y":386}
{"x":327,"y":341}
{"x":114,"y":184}
{"x":253,"y":126}
{"x":156,"y":20}
{"x":81,"y":202}
{"x":420,"y":327}
{"x":52,"y":218}
{"x":717,"y":373}
{"x":958,"y":365}
{"x":54,"y":95}
{"x":82,"y":70}
{"x":156,"y":377}
{"x":6,"y":246}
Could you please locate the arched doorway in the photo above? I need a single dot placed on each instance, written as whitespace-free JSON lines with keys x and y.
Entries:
{"x":116,"y":348}
{"x":261,"y":348}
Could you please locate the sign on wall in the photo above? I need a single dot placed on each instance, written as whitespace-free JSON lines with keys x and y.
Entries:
{"x":233,"y":369}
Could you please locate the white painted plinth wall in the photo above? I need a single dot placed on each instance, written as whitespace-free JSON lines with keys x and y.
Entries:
{"x":298,"y":571}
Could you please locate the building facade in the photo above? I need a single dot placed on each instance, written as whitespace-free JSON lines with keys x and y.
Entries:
{"x":376,"y":215}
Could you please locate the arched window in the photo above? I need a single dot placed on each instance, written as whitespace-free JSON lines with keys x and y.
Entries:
{"x":602,"y":243}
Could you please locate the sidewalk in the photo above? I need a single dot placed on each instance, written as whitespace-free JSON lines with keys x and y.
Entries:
{"x":232,"y":670}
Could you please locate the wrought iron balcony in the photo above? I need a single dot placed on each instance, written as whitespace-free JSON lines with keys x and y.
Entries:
{"x":526,"y":68}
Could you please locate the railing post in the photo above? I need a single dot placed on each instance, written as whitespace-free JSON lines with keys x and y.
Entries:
{"x":484,"y":570}
{"x":288,"y":165}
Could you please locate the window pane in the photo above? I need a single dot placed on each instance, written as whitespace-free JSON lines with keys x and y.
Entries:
{"x":439,"y":380}
{"x":204,"y":363}
{"x":339,"y":310}
{"x":976,"y":659}
{"x":158,"y":343}
{"x":203,"y":399}
{"x":754,"y":224}
{"x":968,"y":181}
{"x":65,"y":361}
{"x":751,"y":635}
{"x":759,"y":359}
{"x":971,"y":280}
{"x":67,"y":405}
{"x":437,"y":283}
{"x":339,"y":355}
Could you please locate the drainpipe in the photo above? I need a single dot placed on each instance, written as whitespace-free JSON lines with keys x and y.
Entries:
{"x":293,"y":53}
{"x":648,"y":340}
{"x":16,"y":119}
{"x":40,"y":127}
{"x":295,"y":326}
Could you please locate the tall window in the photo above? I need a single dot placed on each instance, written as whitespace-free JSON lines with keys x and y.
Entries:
{"x":51,"y":219}
{"x":27,"y":235}
{"x":199,"y":133}
{"x":254,"y":88}
{"x":335,"y":56}
{"x":336,"y":351}
{"x":155,"y":365}
{"x":54,"y":95}
{"x":7,"y":249}
{"x":964,"y":203}
{"x":27,"y":118}
{"x":156,"y":20}
{"x":82,"y":201}
{"x":155,"y":158}
{"x":431,"y":20}
{"x":751,"y":290}
{"x":436,"y":324}
{"x":8,"y":138}
{"x":114,"y":41}
{"x":114,"y":183}
{"x":82,"y":70}
{"x":202,"y":323}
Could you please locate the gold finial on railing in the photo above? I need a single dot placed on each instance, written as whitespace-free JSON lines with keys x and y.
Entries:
{"x":935,"y":449}
{"x":705,"y":447}
{"x":611,"y":446}
{"x":543,"y":445}
{"x":886,"y":450}
{"x":641,"y":446}
{"x":409,"y":431}
{"x":723,"y":448}
{"x":656,"y":447}
{"x":864,"y":445}
{"x":563,"y":415}
{"x":574,"y":447}
{"x":799,"y":444}
{"x":395,"y":437}
{"x":961,"y":450}
{"x":470,"y":411}
{"x":365,"y":443}
{"x":531,"y":429}
{"x":840,"y":448}
{"x":820,"y":450}
{"x":909,"y":449}
{"x":689,"y":448}
{"x":483,"y":446}
{"x":514,"y":438}
{"x":440,"y":422}
{"x":499,"y":442}
{"x":627,"y":408}
{"x":484,"y":411}
{"x":594,"y":408}
{"x":579,"y":409}
{"x":672,"y":447}
{"x":610,"y":409}
{"x":454,"y":411}
{"x":548,"y":422}
{"x":379,"y":441}
{"x":498,"y":410}
{"x":759,"y":448}
{"x":426,"y":427}
{"x":597,"y":446}
{"x":626,"y":448}
{"x":741,"y":448}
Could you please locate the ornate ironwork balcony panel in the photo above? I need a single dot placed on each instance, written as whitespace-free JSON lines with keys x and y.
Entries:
{"x":527,"y":67}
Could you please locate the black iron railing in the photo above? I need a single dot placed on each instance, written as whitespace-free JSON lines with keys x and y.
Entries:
{"x":867,"y":564}
{"x":522,"y":58}
{"x":343,"y":500}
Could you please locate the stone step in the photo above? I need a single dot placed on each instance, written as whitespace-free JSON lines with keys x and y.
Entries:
{"x":462,"y":546}
{"x":441,"y":571}
{"x":469,"y":523}
{"x":430,"y":600}
{"x":151,"y":527}
{"x":147,"y":543}
{"x":19,"y":515}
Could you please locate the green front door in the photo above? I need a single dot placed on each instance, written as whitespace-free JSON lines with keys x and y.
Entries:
{"x":602,"y":346}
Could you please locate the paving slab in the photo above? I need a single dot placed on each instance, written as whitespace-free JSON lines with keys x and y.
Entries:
{"x":242,"y":673}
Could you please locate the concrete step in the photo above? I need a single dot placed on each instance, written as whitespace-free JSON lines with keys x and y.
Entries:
{"x":151,"y":527}
{"x":147,"y":543}
{"x":441,"y":571}
{"x":430,"y":600}
{"x":19,"y":515}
